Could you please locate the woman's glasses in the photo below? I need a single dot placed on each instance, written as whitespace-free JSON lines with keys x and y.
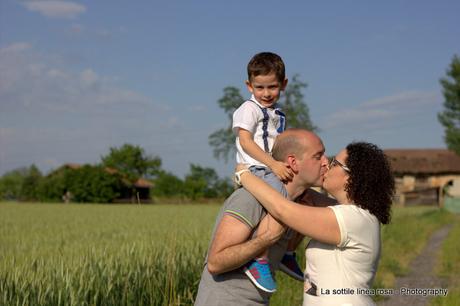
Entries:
{"x":334,"y":162}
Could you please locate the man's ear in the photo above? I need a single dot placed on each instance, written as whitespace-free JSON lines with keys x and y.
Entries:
{"x":292,"y":161}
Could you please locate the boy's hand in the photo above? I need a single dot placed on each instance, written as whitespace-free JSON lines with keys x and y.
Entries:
{"x":282,"y":171}
{"x":240,"y":166}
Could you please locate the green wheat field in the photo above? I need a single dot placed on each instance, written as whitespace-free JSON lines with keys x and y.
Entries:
{"x":89,"y":254}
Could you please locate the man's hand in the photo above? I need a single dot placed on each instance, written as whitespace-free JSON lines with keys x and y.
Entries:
{"x":282,"y":170}
{"x":273,"y":231}
{"x":232,"y":247}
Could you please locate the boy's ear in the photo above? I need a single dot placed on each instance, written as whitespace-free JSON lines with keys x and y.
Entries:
{"x":284,"y":84}
{"x":249,"y":86}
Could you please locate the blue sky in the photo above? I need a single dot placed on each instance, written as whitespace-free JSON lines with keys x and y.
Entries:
{"x":79,"y":77}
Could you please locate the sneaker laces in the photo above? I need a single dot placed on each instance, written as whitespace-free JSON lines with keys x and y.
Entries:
{"x":265,"y":270}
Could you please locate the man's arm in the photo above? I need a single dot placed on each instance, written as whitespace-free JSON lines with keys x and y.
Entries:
{"x":231,"y":249}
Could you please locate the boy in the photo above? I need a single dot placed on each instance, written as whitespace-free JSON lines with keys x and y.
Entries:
{"x":256,"y":124}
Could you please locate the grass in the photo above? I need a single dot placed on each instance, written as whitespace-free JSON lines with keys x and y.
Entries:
{"x":404,"y":238}
{"x":449,"y":268}
{"x":102,"y":254}
{"x":55,"y":254}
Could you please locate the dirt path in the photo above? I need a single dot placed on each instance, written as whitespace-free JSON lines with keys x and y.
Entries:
{"x":422,"y":273}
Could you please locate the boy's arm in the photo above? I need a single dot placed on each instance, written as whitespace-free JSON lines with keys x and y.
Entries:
{"x":231,"y":249}
{"x":253,"y":150}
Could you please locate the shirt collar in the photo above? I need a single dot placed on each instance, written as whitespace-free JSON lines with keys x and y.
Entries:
{"x":253,"y":99}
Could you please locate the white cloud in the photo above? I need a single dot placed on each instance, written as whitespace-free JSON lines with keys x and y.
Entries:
{"x":89,"y":77}
{"x":77,"y":28}
{"x":55,"y":8}
{"x":51,"y":113}
{"x":15,"y":47}
{"x":407,"y":98}
{"x":382,"y":111}
{"x":197,"y":108}
{"x":31,"y":82}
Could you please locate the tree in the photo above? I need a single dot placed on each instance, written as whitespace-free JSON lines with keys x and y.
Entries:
{"x":30,"y":184}
{"x":132,"y":162}
{"x":53,"y":186}
{"x":11,"y":184}
{"x":93,"y":184}
{"x":223,"y":140}
{"x":168,"y":185}
{"x":200,"y":182}
{"x":292,"y":103}
{"x":294,"y":106}
{"x":450,"y":117}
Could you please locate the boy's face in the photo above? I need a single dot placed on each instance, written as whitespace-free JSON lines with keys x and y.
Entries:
{"x":266,"y":88}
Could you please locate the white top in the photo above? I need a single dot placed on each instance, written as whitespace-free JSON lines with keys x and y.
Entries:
{"x":350,"y":265}
{"x":249,"y":116}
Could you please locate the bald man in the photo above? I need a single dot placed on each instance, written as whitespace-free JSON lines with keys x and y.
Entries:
{"x":235,"y":239}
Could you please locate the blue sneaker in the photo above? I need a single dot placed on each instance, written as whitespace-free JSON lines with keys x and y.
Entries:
{"x":258,"y":271}
{"x":290,"y":266}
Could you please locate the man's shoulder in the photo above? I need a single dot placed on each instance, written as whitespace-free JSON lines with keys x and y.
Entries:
{"x":242,"y":205}
{"x":238,"y":195}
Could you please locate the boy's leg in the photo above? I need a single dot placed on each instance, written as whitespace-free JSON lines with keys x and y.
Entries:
{"x":258,"y":269}
{"x":294,"y":241}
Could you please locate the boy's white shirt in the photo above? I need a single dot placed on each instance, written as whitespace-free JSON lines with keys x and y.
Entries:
{"x":249,"y":116}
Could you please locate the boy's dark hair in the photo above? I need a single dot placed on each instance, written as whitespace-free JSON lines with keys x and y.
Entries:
{"x":265,"y":63}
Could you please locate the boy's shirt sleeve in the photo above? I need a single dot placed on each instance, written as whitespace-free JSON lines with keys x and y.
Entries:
{"x":246,"y":117}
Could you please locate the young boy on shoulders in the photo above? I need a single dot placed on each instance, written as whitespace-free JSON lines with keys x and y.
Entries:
{"x":256,"y":124}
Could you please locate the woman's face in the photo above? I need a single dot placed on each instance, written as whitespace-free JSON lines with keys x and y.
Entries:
{"x":336,"y":176}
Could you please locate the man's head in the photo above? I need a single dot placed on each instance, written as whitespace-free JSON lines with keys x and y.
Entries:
{"x":304,"y":152}
{"x":266,"y":77}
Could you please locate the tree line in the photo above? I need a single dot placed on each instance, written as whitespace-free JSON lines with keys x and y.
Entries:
{"x":116,"y":174}
{"x":118,"y":171}
{"x":112,"y":178}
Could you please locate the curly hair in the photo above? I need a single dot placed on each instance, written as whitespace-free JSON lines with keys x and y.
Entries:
{"x":371,"y":183}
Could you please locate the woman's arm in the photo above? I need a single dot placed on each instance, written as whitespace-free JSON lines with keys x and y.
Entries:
{"x":319,"y":223}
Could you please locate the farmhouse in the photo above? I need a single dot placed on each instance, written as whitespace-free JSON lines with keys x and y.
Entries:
{"x":139,"y":191}
{"x":424,"y":175}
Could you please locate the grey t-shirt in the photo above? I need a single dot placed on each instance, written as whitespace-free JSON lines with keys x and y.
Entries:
{"x":234,"y":287}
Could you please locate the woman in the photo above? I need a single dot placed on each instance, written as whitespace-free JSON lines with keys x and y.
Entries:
{"x":343,"y":255}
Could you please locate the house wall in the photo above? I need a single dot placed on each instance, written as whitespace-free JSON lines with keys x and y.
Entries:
{"x":430,"y":188}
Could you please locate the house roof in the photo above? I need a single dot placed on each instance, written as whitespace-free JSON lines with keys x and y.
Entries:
{"x":143,"y":183}
{"x":423,"y":161}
